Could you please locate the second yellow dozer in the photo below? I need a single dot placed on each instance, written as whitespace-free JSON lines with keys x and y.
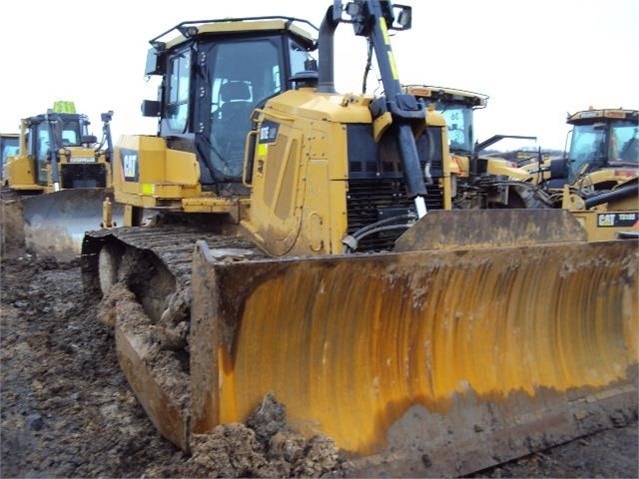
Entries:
{"x":305,"y":247}
{"x":478,"y":180}
{"x":597,"y":179}
{"x":55,"y":182}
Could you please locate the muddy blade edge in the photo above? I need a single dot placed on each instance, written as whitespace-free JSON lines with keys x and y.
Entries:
{"x":427,"y":362}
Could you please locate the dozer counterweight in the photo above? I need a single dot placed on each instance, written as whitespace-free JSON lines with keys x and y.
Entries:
{"x":304,"y":246}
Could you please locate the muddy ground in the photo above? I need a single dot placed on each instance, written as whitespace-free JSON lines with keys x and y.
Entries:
{"x":67,"y":411}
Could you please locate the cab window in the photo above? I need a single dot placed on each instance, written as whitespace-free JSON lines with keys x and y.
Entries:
{"x":178,"y":91}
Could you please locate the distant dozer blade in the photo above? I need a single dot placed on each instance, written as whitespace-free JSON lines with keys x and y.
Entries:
{"x":55,"y":223}
{"x":11,"y":227}
{"x":422,"y":363}
{"x":441,"y":229}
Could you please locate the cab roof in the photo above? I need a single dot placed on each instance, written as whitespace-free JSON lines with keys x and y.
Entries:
{"x":591,"y":115}
{"x":63,"y":116}
{"x":448,"y":95}
{"x":185,"y":31}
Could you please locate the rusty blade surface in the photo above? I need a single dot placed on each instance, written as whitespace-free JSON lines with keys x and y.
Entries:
{"x":422,"y":362}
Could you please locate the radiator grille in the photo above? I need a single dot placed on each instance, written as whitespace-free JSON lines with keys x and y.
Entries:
{"x":377,"y":189}
{"x":83,"y":176}
{"x":369,"y":201}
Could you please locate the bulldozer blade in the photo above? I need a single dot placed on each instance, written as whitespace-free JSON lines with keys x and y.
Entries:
{"x":11,"y":228}
{"x":54,"y":223}
{"x":422,"y":363}
{"x":441,"y":229}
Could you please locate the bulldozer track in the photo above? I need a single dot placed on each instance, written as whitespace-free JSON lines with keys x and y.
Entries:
{"x":150,"y":291}
{"x":8,"y":194}
{"x":172,"y":246}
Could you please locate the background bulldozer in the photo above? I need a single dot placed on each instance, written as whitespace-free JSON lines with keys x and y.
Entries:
{"x":598,"y":177}
{"x":478,"y":181}
{"x":302,"y":248}
{"x":55,"y":183}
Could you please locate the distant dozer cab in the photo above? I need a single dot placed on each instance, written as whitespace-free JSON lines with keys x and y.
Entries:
{"x":58,"y":180}
{"x":478,"y":181}
{"x":603,"y":151}
{"x":302,"y":248}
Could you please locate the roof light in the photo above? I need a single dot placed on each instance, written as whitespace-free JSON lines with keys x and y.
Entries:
{"x":62,"y":106}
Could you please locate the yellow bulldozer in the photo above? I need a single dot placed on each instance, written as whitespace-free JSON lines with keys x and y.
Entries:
{"x":299,"y":246}
{"x":478,"y":181}
{"x":598,"y":177}
{"x":55,"y":181}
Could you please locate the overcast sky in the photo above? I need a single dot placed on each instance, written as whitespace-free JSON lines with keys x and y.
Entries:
{"x":537,"y":60}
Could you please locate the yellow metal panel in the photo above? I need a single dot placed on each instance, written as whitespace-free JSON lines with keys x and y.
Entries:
{"x":182,"y":167}
{"x":336,"y":198}
{"x":134,"y":199}
{"x":171,"y":190}
{"x":162,"y":173}
{"x":20,"y":173}
{"x":152,"y":166}
{"x":327,"y":141}
{"x":309,"y":105}
{"x":277,"y":189}
{"x":285,"y":195}
{"x":316,"y":224}
{"x":212,"y":205}
{"x":380,"y":124}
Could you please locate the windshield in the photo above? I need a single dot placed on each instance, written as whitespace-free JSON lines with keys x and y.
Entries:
{"x":236,"y":89}
{"x":599,"y":144}
{"x":71,"y":132}
{"x":9,"y":148}
{"x":239,"y":75}
{"x":586,"y":147}
{"x":459,"y":119}
{"x":299,"y":57}
{"x":624,"y":143}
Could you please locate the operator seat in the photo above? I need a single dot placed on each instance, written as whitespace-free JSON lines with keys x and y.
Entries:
{"x":235,"y":96}
{"x":232,"y":123}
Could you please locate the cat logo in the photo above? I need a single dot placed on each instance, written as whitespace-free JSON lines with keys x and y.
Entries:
{"x":130,"y":170}
{"x":617,"y":219}
{"x":606,"y":220}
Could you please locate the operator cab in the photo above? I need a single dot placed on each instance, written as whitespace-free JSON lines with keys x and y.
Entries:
{"x":603,"y":139}
{"x":46,"y":133}
{"x":457,"y":108}
{"x":207,"y":96}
